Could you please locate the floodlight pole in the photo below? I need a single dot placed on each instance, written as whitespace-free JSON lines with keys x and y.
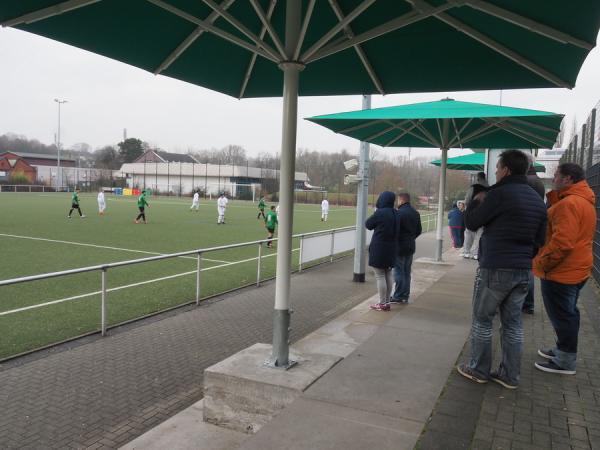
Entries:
{"x":58,"y":171}
{"x":291,"y":73}
{"x":361,"y":205}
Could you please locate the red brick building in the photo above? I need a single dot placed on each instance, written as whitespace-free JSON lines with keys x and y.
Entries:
{"x":12,"y":164}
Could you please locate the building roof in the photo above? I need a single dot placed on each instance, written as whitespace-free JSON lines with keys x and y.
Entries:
{"x":167,"y":157}
{"x":37,"y":156}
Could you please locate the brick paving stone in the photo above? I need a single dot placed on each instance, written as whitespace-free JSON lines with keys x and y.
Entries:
{"x":79,"y":395}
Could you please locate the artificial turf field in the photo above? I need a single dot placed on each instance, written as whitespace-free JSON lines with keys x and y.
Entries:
{"x":37,"y":237}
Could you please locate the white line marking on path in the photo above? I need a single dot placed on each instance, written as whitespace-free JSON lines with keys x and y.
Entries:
{"x":118,"y":288}
{"x":104,"y":247}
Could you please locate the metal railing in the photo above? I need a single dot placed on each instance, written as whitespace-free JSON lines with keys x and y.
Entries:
{"x":198,"y":254}
{"x":32,"y":188}
{"x":428,"y":222}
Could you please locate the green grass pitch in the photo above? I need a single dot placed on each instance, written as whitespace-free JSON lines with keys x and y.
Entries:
{"x":40,"y":220}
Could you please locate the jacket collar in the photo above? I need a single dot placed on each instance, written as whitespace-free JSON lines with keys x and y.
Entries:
{"x":511,"y":179}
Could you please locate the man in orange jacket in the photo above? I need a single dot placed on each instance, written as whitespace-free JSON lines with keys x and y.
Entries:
{"x":565,"y":261}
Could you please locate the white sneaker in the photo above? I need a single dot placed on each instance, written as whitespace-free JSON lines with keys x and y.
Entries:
{"x":83,"y":217}
{"x":465,"y":255}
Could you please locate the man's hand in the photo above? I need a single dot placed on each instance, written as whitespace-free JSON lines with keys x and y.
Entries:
{"x":480,"y":196}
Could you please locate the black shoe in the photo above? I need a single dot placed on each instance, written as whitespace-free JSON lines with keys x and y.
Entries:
{"x":398,"y":301}
{"x":553,"y":368}
{"x":548,"y":354}
{"x":467,"y":372}
{"x":503,"y":381}
{"x":528,"y":310}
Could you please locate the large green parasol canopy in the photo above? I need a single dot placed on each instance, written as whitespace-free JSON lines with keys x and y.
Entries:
{"x":447,"y":124}
{"x":474,"y":162}
{"x":346,"y":46}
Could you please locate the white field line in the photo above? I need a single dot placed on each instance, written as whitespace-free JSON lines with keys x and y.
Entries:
{"x":118,"y":288}
{"x":103,"y":246}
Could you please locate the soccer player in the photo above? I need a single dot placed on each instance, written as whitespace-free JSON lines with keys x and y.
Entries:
{"x":270,"y":223}
{"x":101,"y":202}
{"x":142,"y":203}
{"x":75,"y":203}
{"x":195,"y":202}
{"x":261,"y":208}
{"x":221,"y":206}
{"x":324,"y":210}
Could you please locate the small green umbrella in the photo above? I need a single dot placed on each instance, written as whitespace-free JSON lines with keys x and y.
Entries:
{"x":473,"y":162}
{"x":447,"y":124}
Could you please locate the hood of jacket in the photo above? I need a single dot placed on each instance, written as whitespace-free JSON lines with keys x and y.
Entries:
{"x":386,"y":200}
{"x":581,"y":189}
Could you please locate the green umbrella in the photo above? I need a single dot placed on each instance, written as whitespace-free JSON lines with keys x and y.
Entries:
{"x":473,"y":162}
{"x":447,"y":124}
{"x":258,"y":48}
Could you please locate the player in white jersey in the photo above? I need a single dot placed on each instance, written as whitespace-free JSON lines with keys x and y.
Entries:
{"x":324,"y":210}
{"x":221,"y":207}
{"x":195,"y":202}
{"x":101,"y":202}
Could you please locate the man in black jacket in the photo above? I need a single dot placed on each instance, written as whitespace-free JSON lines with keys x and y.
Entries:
{"x":514,"y":218}
{"x":408,"y":228}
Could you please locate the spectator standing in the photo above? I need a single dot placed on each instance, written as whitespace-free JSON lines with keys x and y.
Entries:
{"x":471,"y":242}
{"x":456,"y":225}
{"x":538,"y":186}
{"x":565,"y":262}
{"x":382,"y":250}
{"x":514,"y":218}
{"x":408,"y":229}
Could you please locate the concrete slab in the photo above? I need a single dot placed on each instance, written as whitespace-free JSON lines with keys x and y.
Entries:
{"x":327,"y":426}
{"x":187,"y":431}
{"x":439,"y":320}
{"x":243,"y":394}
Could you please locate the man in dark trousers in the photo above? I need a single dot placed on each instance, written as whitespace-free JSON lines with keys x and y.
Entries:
{"x":514,"y":217}
{"x":538,"y":186}
{"x":408,"y":228}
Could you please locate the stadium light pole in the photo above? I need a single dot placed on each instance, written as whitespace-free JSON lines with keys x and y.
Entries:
{"x":58,"y":174}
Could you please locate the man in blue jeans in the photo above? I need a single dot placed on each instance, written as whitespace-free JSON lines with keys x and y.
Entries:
{"x":514,"y":217}
{"x":565,"y":262}
{"x":408,"y":229}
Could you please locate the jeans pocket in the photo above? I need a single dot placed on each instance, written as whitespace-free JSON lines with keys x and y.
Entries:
{"x":500,"y":279}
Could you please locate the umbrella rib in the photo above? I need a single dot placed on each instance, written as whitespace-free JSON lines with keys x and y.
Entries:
{"x":534,"y":125}
{"x":190,"y":39}
{"x":336,"y":29}
{"x":529,"y":133}
{"x":243,"y":29}
{"x":392,"y":25}
{"x":477,"y":133}
{"x":428,"y":135}
{"x":504,"y":51}
{"x":425,"y":138}
{"x":266,"y":53}
{"x":484,"y":132}
{"x":404,"y":132}
{"x":517,"y":133}
{"x":387,"y":130}
{"x":460,"y":132}
{"x":305,"y":22}
{"x":359,"y":127}
{"x":48,"y":12}
{"x":250,"y":67}
{"x":456,"y":134}
{"x":267,"y":24}
{"x":360,"y":52}
{"x":528,"y":24}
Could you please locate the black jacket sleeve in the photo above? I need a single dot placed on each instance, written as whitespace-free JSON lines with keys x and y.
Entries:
{"x":419,"y":227}
{"x":479,"y":213}
{"x":372,"y":221}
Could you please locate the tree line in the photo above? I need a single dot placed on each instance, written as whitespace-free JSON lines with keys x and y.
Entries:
{"x":396,"y":173}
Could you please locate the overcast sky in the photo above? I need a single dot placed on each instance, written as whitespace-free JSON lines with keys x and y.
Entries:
{"x":106,"y":96}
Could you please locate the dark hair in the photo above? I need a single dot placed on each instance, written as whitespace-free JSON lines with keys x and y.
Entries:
{"x":481,"y":175}
{"x":405,"y":196}
{"x":575,"y":171}
{"x":272,"y":206}
{"x":515,"y":161}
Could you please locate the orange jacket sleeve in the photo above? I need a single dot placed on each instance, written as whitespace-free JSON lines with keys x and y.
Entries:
{"x":561,"y":237}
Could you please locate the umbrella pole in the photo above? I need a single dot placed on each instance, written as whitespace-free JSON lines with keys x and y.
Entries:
{"x":291,"y":74}
{"x":361,"y":206}
{"x":440,"y":212}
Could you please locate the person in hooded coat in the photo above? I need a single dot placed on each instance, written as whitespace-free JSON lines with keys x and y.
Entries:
{"x":382,"y":250}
